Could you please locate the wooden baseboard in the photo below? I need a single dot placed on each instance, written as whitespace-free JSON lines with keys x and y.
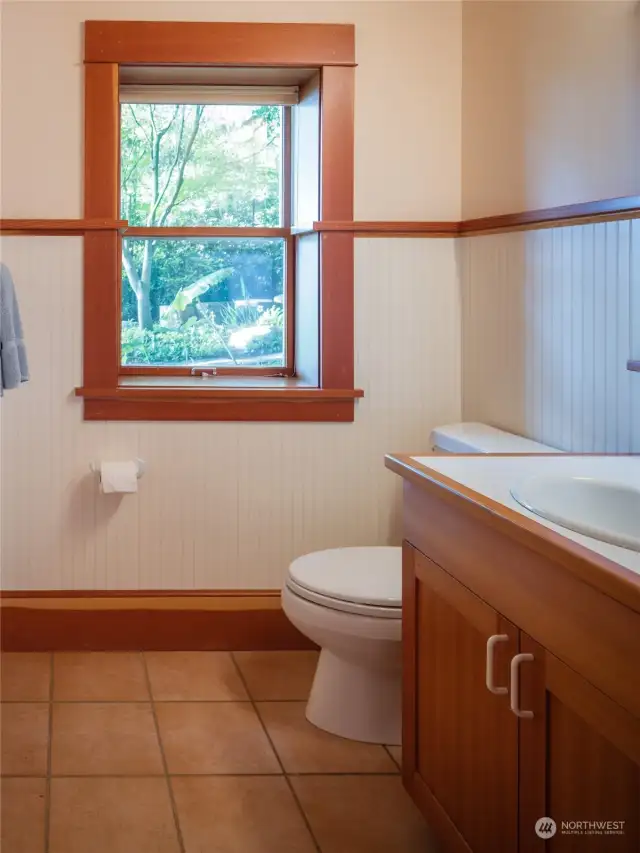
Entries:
{"x":154,"y":621}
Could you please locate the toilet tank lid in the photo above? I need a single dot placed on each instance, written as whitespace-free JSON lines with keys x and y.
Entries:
{"x":481,"y":438}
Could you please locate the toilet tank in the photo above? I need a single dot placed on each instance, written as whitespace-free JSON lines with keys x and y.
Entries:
{"x":481,"y":438}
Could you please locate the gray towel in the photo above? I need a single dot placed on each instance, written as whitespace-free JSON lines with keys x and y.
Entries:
{"x":13,"y":355}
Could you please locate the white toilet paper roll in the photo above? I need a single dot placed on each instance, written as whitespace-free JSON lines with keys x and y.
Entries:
{"x":119,"y":477}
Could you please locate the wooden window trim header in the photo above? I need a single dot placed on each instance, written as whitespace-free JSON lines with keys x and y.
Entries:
{"x":328,"y":48}
{"x":219,"y":43}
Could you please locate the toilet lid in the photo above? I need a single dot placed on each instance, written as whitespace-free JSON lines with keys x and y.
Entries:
{"x":370,"y":576}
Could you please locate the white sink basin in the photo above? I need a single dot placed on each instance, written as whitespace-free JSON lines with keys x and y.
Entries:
{"x":603,"y":510}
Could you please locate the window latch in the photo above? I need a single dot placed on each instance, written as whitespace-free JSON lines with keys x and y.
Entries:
{"x":198,"y":371}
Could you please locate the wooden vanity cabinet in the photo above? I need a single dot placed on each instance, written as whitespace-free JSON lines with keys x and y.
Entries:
{"x":579,"y":758}
{"x":460,"y":741}
{"x":481,"y":774}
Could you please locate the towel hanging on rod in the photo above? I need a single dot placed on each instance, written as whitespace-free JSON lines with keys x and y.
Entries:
{"x":13,"y":354}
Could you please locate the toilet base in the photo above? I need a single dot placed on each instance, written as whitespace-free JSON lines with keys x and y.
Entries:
{"x":355,"y":701}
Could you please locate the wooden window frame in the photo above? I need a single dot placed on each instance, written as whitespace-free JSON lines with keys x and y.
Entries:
{"x":283,"y":231}
{"x":328,"y":49}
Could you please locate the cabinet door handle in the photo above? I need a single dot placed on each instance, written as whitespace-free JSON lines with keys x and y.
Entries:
{"x":515,"y":686}
{"x":495,"y":638}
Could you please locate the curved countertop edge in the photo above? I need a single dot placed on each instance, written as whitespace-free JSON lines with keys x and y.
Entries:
{"x":592,"y":568}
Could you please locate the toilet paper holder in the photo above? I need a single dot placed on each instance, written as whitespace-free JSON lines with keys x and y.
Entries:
{"x":94,"y":467}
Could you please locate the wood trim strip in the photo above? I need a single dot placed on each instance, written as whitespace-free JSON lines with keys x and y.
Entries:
{"x":25,"y":595}
{"x":62,"y":227}
{"x":409,"y":650}
{"x":101,"y":141}
{"x":290,"y":306}
{"x":336,"y":339}
{"x":101,"y":308}
{"x":633,"y":366}
{"x":203,"y":231}
{"x":287,"y":170}
{"x":195,"y":394}
{"x":137,"y":623}
{"x":593,"y":211}
{"x":309,"y":411}
{"x":382,"y":228}
{"x":246,"y":373}
{"x":218,"y":43}
{"x":337,"y":312}
{"x":622,"y":208}
{"x":337,"y":106}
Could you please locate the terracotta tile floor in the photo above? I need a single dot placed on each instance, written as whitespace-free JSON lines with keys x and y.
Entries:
{"x":187,"y":752}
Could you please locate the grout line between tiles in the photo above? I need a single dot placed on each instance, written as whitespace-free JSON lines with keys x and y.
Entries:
{"x":47,"y":787}
{"x":174,"y":807}
{"x":146,"y":700}
{"x":277,"y":773}
{"x":277,"y":755}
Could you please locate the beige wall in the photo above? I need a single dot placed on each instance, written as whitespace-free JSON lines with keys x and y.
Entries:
{"x":228,"y":505}
{"x":551,"y":116}
{"x":551,"y":103}
{"x":408,"y":84}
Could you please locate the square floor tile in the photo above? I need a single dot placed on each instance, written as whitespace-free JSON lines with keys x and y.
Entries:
{"x":99,"y":677}
{"x":194,"y":676}
{"x":396,"y":754}
{"x":24,"y":738}
{"x":362,"y":814}
{"x":103,"y":739}
{"x":240,"y":814}
{"x":26,"y":676}
{"x":217,"y":737}
{"x":303,"y":748}
{"x":22,"y":815}
{"x":278,"y":675}
{"x":111,"y":816}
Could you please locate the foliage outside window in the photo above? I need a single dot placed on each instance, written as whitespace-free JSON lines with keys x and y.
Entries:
{"x":202,"y":302}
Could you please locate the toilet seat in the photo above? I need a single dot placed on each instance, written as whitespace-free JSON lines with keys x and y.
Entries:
{"x":365,"y":581}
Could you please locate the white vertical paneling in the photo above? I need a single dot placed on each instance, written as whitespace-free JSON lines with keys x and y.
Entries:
{"x":221,"y":505}
{"x":547,"y":334}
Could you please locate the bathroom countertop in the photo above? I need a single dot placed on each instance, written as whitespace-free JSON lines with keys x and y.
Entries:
{"x":484,"y":481}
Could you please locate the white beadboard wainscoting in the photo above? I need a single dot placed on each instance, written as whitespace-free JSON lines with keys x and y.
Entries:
{"x":547,"y":332}
{"x":222,"y":505}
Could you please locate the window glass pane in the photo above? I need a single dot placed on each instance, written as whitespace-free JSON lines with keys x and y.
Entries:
{"x":190,"y":164}
{"x":203,"y":302}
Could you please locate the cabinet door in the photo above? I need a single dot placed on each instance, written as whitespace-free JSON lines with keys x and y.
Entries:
{"x":460,"y":741}
{"x":579,"y":760}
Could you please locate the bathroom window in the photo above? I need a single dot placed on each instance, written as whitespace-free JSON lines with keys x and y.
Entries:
{"x":218,"y":199}
{"x":205,"y":176}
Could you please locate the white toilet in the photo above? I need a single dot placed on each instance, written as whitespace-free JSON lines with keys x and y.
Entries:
{"x":349,"y":602}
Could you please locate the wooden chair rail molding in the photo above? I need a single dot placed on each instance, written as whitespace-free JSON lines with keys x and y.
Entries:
{"x":627,"y":207}
{"x":381,"y":229}
{"x":59,"y":227}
